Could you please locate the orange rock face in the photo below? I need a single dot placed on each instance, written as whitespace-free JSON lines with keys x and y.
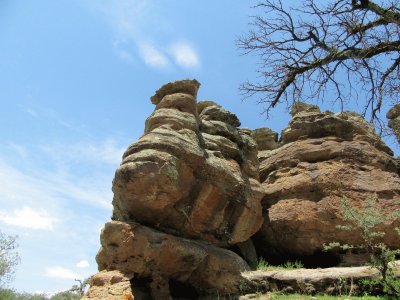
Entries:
{"x":324,"y":157}
{"x":188,"y":187}
{"x":195,"y":184}
{"x":193,"y":173}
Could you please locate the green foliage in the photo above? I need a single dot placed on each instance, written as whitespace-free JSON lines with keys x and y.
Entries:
{"x":9,"y":258}
{"x":365,"y":220}
{"x":280,"y":296}
{"x":66,"y":295}
{"x":80,"y":287}
{"x":262,"y":264}
{"x":8,"y":294}
{"x":289,"y":265}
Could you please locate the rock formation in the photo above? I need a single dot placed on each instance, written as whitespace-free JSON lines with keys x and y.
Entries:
{"x":194,"y":191}
{"x":188,"y":189}
{"x":322,"y":158}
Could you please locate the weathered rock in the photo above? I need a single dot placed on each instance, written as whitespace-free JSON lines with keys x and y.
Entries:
{"x":133,"y":248}
{"x":265,"y":138}
{"x":347,"y":126}
{"x":394,"y":122}
{"x":394,"y":112}
{"x":190,"y":187}
{"x":299,"y":107}
{"x":325,"y":157}
{"x":193,"y":173}
{"x":110,"y":285}
{"x":189,"y":87}
{"x":333,"y":281}
{"x":395,"y":126}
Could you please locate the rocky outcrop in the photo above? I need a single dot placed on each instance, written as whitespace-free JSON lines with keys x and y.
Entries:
{"x":322,"y":158}
{"x":185,"y":191}
{"x":110,"y":285}
{"x":193,"y":173}
{"x":164,"y":257}
{"x":331,"y":281}
{"x":194,"y":192}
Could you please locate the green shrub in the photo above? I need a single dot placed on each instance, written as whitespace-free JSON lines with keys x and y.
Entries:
{"x":366,"y":219}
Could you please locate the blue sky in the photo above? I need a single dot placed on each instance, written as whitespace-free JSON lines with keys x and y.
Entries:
{"x":75,"y":81}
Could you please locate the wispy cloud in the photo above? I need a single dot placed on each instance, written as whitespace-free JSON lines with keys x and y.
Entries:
{"x":29,"y":218}
{"x":185,"y":55}
{"x":58,"y":173}
{"x":107,"y":151}
{"x":139,"y":23}
{"x":61,"y":272}
{"x":152,"y":56}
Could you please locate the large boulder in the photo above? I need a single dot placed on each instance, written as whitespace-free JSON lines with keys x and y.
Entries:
{"x":148,"y":253}
{"x":193,"y":173}
{"x":323,"y":158}
{"x":185,"y":191}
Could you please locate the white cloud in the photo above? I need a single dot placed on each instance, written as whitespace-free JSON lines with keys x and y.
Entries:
{"x":106,"y":151}
{"x":83,"y":264}
{"x":136,"y":22}
{"x":184,"y":55}
{"x":152,"y":56}
{"x":29,"y":218}
{"x":60,"y":272}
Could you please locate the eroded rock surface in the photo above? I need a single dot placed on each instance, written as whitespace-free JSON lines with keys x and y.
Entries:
{"x":187,"y":189}
{"x":195,"y":184}
{"x":110,"y":285}
{"x":324,"y":157}
{"x":164,"y":257}
{"x":192,"y":173}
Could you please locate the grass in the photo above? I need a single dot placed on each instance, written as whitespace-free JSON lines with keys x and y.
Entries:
{"x":289,"y":265}
{"x":279,"y":296}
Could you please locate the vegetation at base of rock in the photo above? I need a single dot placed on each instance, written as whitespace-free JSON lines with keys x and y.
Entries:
{"x":9,"y":258}
{"x":279,"y":296}
{"x":366,"y":220}
{"x":289,"y":265}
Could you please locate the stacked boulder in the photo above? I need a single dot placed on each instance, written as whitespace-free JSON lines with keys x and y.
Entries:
{"x":323,"y":157}
{"x":197,"y":199}
{"x":186,"y":191}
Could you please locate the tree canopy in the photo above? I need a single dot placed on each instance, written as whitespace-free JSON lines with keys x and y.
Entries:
{"x":9,"y":258}
{"x":345,"y":48}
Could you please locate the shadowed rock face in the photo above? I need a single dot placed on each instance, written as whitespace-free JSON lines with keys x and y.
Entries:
{"x":323,"y":157}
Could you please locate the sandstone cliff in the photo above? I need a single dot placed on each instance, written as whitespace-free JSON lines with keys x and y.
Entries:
{"x":194,"y":192}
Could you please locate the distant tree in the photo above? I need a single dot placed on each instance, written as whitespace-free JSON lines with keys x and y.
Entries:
{"x":66,"y":295}
{"x":80,"y":287}
{"x":339,"y":46}
{"x":8,"y":294}
{"x":9,"y":258}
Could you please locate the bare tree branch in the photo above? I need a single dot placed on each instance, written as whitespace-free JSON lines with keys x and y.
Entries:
{"x":349,"y":46}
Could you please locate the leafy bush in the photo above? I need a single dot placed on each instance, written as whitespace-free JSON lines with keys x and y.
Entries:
{"x":366,"y":219}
